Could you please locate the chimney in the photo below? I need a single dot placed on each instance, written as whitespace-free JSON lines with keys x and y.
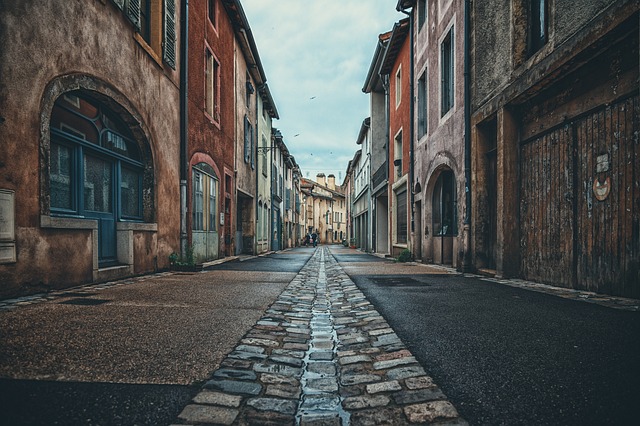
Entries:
{"x":332,"y":182}
{"x":321,"y":179}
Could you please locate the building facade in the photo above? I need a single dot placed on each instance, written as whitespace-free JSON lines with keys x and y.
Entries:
{"x":211,"y":139}
{"x":99,"y":124}
{"x":556,"y":156}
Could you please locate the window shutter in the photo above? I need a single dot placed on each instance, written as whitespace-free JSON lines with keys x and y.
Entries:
{"x":246,"y":139}
{"x":133,"y":12}
{"x":253,"y":148}
{"x":169,"y":43}
{"x":119,"y":3}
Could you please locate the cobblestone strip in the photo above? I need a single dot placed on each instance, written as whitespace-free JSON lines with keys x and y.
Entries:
{"x":320,"y":355}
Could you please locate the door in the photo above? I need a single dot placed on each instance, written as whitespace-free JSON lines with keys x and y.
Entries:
{"x":99,"y":204}
{"x":445,"y":217}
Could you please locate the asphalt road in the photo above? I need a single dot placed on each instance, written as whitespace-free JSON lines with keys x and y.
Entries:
{"x":135,"y":353}
{"x":510,"y":356}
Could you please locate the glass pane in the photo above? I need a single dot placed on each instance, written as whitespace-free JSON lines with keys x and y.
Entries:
{"x":61,"y":197}
{"x":97,"y":185}
{"x":212,"y":204}
{"x":130,"y":193}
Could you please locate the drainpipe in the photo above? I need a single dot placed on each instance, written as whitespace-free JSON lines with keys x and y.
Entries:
{"x":412,"y":125}
{"x":257,"y":172}
{"x":184,"y":82}
{"x":467,"y":261}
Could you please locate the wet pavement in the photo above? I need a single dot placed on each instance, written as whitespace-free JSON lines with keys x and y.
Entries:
{"x":320,"y":355}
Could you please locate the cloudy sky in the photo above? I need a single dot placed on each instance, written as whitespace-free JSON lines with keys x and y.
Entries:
{"x":316,"y":55}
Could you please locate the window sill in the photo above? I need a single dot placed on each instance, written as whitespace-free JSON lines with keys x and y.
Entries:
{"x":54,"y":222}
{"x":143,"y":43}
{"x":137,"y":226}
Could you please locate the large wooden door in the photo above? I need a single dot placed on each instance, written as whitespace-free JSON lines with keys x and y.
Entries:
{"x":580,"y":202}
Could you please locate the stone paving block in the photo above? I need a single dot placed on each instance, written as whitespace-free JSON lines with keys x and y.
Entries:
{"x":247,"y":356}
{"x":226,"y":373}
{"x":288,"y":352}
{"x":251,"y":349}
{"x":323,"y":384}
{"x":260,"y":342}
{"x":236,"y":363}
{"x":365,"y":401}
{"x":405,"y":372}
{"x":234,"y":387}
{"x":267,"y":418}
{"x":378,"y":416}
{"x":380,"y":331}
{"x":322,"y":344}
{"x":393,"y":355}
{"x":384,"y":387}
{"x":283,"y":370}
{"x":346,"y":360}
{"x":278,"y":405}
{"x":286,"y":360}
{"x":382,"y":365}
{"x":291,"y":339}
{"x":276,"y":379}
{"x":296,"y":346}
{"x":217,"y":398}
{"x":423,"y":382}
{"x":421,"y":395}
{"x":355,"y":379}
{"x":430,"y":412}
{"x":321,"y":355}
{"x":283,"y":391}
{"x":318,"y":419}
{"x":311,"y":403}
{"x":326,"y":368}
{"x":208,"y":414}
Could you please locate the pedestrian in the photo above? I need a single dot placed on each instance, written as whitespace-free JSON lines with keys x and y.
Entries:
{"x":314,"y":239}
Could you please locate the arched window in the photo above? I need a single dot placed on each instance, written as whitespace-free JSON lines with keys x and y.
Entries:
{"x":96,"y":168}
{"x":205,"y":192}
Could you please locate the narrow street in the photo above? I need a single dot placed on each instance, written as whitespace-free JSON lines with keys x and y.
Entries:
{"x":316,"y":336}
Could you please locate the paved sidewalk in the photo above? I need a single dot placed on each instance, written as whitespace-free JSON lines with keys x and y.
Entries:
{"x":320,"y":355}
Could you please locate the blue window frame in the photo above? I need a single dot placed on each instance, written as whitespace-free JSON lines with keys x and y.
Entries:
{"x":95,"y":164}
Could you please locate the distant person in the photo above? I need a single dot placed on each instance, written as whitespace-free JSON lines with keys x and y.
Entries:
{"x":314,"y":239}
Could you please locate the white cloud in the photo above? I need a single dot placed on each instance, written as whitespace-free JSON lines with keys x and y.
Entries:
{"x":321,"y":49}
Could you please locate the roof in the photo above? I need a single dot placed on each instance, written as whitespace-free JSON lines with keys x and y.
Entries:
{"x":366,"y":123}
{"x":372,"y":83}
{"x":248,"y":45}
{"x":267,"y":101}
{"x":405,"y":4}
{"x":398,"y":36}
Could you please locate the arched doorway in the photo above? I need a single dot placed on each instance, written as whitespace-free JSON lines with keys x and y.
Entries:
{"x":444,"y":217}
{"x":96,"y":169}
{"x":204,"y":221}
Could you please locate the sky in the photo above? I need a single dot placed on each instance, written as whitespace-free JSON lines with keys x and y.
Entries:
{"x":316,"y":55}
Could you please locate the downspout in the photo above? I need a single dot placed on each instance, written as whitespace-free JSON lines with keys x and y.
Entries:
{"x":256,"y":151}
{"x":411,"y":125}
{"x":184,"y":82}
{"x":387,"y":113}
{"x":467,"y":261}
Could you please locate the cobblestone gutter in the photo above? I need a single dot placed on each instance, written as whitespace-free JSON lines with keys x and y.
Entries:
{"x":321,"y":355}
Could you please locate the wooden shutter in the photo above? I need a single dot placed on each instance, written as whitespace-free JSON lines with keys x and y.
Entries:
{"x":133,"y":12}
{"x":246,"y":140}
{"x":169,"y":42}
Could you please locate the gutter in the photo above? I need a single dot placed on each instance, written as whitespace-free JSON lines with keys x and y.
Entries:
{"x":466,"y":262}
{"x":184,"y":121}
{"x":411,"y":114}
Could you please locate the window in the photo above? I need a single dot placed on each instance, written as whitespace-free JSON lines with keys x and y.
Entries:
{"x":538,"y":25}
{"x":446,"y":61}
{"x":422,"y":13}
{"x":248,"y":89}
{"x":212,"y":12}
{"x":212,"y":89}
{"x":248,"y":140}
{"x":398,"y":86}
{"x":397,"y":154}
{"x":205,"y":195}
{"x":445,"y":211}
{"x":401,"y":216}
{"x":422,"y":105}
{"x":95,"y":163}
{"x":155,"y":21}
{"x":264,"y":153}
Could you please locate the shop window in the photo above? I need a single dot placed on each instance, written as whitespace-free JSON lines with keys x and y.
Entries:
{"x":401,"y":216}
